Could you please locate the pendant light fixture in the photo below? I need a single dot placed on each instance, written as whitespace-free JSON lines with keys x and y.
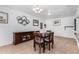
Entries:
{"x":37,"y":9}
{"x":49,"y":12}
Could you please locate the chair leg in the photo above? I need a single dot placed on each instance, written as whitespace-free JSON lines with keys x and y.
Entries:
{"x":39,"y":48}
{"x":52,"y":44}
{"x":43,"y":47}
{"x":49,"y":46}
{"x":34,"y":47}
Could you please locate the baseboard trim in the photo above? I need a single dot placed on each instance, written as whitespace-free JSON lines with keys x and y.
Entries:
{"x":64,"y":37}
{"x":9,"y":43}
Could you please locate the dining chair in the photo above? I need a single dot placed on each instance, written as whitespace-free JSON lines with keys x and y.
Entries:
{"x":49,"y":40}
{"x":38,"y":41}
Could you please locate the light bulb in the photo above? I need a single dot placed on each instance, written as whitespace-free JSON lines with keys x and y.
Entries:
{"x":37,"y":10}
{"x":49,"y":12}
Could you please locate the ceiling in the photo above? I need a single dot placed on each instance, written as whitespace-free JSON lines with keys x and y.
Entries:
{"x":56,"y":10}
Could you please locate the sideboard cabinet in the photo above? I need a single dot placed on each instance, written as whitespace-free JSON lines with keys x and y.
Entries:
{"x":19,"y":37}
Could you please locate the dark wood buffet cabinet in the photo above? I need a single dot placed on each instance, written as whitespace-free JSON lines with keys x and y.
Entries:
{"x":19,"y":37}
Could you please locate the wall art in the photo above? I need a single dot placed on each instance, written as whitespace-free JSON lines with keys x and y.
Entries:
{"x":57,"y":22}
{"x":3,"y":17}
{"x":41,"y":25}
{"x":35,"y":22}
{"x":23,"y":20}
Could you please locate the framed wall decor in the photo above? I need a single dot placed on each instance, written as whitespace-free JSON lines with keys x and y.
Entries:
{"x":35,"y":22}
{"x":41,"y":25}
{"x":23,"y":20}
{"x":57,"y":22}
{"x":3,"y":17}
{"x":44,"y":25}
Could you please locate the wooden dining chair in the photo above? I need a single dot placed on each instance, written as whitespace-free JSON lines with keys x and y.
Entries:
{"x":50,"y":39}
{"x":38,"y":41}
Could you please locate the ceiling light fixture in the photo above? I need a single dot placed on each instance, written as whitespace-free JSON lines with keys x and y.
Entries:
{"x":49,"y":12}
{"x":37,"y":9}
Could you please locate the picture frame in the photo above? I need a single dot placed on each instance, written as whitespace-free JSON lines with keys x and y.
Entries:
{"x":57,"y":22}
{"x":44,"y":25}
{"x":41,"y":25}
{"x":3,"y":17}
{"x":35,"y":22}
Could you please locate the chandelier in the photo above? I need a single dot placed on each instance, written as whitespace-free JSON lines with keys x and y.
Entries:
{"x":37,"y":9}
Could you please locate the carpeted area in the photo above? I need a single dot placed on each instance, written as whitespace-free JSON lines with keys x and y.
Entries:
{"x":61,"y":46}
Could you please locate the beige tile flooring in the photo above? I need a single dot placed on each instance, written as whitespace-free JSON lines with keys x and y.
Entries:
{"x":61,"y":46}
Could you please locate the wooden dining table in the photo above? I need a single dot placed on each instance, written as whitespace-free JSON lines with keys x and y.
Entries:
{"x":44,"y":38}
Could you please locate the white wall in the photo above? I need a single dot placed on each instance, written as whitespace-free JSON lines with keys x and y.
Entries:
{"x":6,"y":30}
{"x":60,"y":30}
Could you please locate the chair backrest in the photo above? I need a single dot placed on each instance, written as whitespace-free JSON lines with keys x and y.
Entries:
{"x":48,"y":31}
{"x":37,"y":36}
{"x":51,"y":36}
